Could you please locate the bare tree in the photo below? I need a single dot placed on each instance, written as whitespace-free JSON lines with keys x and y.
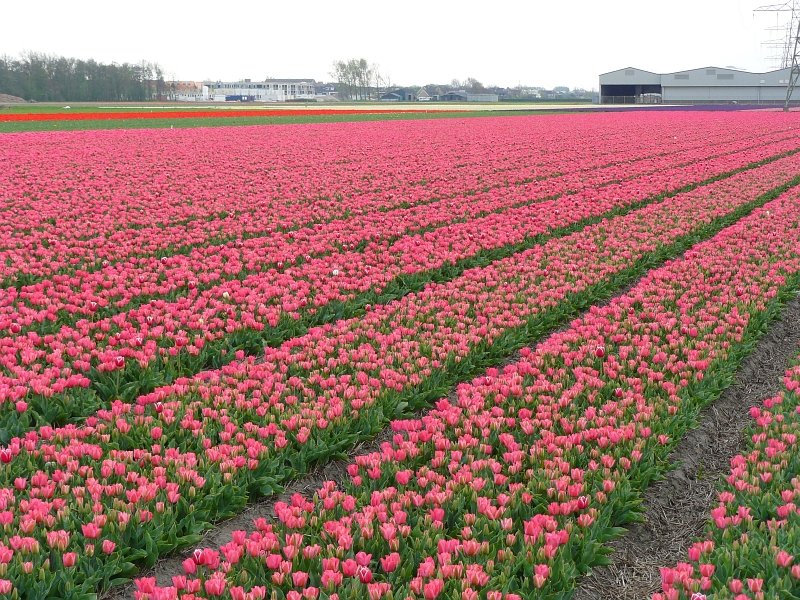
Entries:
{"x":473,"y":85}
{"x":355,"y":78}
{"x":382,"y":82}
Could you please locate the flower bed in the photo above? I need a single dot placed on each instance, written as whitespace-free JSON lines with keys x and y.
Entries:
{"x":142,"y":478}
{"x":248,"y":245}
{"x":69,"y":208}
{"x":73,"y":371}
{"x":509,"y":490}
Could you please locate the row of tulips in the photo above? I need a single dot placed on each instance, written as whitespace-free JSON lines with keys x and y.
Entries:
{"x":142,"y":478}
{"x":63,"y":298}
{"x":509,"y":489}
{"x":356,"y":173}
{"x":47,"y":379}
{"x":365,"y":188}
{"x":123,"y":284}
{"x":752,"y":547}
{"x":35,"y":252}
{"x":120,"y":283}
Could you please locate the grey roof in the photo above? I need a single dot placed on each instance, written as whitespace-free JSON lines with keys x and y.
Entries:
{"x":628,"y":69}
{"x":219,"y":81}
{"x":702,"y":77}
{"x":290,"y":80}
{"x":728,"y":69}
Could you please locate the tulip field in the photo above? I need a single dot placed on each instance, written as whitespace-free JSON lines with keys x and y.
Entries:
{"x":530,"y":312}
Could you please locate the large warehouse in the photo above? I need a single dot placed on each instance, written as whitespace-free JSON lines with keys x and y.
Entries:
{"x":696,"y":86}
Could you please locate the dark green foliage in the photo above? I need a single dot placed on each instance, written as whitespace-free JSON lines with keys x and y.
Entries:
{"x":44,"y":78}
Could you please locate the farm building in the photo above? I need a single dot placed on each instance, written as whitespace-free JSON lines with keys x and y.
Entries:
{"x":463,"y":96}
{"x":696,"y":86}
{"x":399,"y":95}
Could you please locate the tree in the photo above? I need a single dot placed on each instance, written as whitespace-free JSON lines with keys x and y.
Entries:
{"x":382,"y":82}
{"x":473,"y":85}
{"x":41,"y":77}
{"x":355,"y":78}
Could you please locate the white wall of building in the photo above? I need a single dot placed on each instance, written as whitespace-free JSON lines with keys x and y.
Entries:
{"x":709,"y":84}
{"x":271,"y":90}
{"x":754,"y":94}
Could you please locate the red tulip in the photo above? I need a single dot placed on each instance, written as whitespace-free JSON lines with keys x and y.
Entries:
{"x":364,"y":574}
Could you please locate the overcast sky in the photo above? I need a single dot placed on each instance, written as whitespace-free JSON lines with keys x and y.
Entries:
{"x":413,"y":41}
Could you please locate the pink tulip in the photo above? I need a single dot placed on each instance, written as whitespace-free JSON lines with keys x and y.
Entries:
{"x":215,"y":586}
{"x":69,"y":559}
{"x":784,"y":559}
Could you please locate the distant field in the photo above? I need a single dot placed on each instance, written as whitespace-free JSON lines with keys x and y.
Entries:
{"x":57,"y":107}
{"x":56,"y":116}
{"x":155,"y":123}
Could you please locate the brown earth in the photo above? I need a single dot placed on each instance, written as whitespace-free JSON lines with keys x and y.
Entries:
{"x":676,"y":509}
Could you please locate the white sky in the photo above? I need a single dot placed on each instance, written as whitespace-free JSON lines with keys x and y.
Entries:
{"x":413,"y":41}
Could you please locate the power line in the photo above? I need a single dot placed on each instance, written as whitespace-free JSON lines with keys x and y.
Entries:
{"x":787,"y":46}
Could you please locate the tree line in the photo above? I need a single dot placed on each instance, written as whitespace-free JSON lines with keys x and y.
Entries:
{"x":358,"y":79}
{"x":46,"y":78}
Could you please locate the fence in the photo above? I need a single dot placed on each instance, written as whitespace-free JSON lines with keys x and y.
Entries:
{"x":641,"y":99}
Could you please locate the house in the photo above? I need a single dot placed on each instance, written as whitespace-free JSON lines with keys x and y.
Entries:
{"x":453,"y":96}
{"x":483,"y":97}
{"x":325,"y":89}
{"x":423,"y":95}
{"x":184,"y":91}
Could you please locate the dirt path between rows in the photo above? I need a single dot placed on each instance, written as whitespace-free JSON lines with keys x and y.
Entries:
{"x":677,"y":508}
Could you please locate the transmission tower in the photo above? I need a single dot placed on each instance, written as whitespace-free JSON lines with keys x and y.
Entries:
{"x":787,"y":16}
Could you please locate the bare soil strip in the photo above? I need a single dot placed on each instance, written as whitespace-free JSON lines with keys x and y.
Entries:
{"x":676,"y":509}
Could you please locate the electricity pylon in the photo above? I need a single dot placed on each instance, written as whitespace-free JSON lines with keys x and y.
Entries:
{"x":791,"y":48}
